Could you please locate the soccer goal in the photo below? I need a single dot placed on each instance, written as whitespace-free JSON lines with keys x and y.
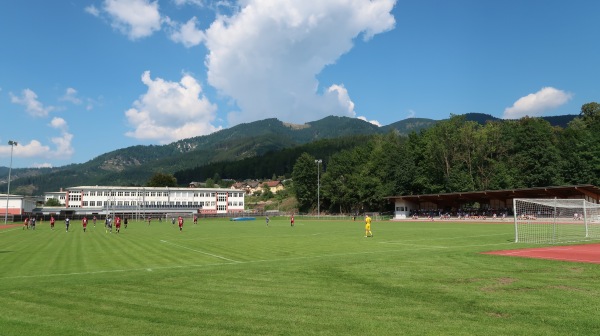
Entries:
{"x":551,"y":221}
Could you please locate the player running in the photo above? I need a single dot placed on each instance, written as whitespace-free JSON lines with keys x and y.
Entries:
{"x":195,"y":219}
{"x":84,"y":222}
{"x":180,"y":222}
{"x":125,"y":222}
{"x":67,"y":223}
{"x":26,"y":224}
{"x":118,"y":224}
{"x":94,"y":219}
{"x":52,"y":220}
{"x":292,"y":221}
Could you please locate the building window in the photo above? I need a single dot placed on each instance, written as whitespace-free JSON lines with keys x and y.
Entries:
{"x":120,"y":193}
{"x":221,"y":207}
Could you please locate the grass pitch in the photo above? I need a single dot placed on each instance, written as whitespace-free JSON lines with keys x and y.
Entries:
{"x":319,"y":278}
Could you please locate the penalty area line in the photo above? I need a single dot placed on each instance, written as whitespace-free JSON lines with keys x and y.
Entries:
{"x":202,"y":252}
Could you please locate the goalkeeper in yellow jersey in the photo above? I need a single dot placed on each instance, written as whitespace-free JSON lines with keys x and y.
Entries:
{"x":368,"y":232}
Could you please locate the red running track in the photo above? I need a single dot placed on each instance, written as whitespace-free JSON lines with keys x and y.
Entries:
{"x":588,"y":253}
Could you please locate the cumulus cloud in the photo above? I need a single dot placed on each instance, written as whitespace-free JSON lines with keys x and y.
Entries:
{"x":535,"y":104}
{"x":187,"y":34}
{"x":35,"y":149}
{"x":71,"y":96}
{"x":33,"y":106}
{"x":411,"y":114}
{"x":171,"y":111}
{"x":374,"y":122}
{"x":266,"y":56}
{"x":135,"y":18}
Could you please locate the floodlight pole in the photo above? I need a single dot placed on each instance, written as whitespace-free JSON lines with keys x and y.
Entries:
{"x":318,"y":162}
{"x":12,"y":144}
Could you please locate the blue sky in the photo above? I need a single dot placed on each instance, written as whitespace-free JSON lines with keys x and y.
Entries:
{"x":82,"y":78}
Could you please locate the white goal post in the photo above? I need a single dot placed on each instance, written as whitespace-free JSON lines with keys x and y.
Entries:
{"x":552,"y":220}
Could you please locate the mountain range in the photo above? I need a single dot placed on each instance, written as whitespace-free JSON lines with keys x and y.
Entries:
{"x":135,"y":165}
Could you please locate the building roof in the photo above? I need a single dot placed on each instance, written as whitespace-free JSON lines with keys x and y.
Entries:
{"x":572,"y":191}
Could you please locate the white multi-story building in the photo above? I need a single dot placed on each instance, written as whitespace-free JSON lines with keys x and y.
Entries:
{"x":150,"y":200}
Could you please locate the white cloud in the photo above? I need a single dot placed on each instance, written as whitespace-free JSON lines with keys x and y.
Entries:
{"x":266,"y":56}
{"x":374,"y":122}
{"x":41,"y":165}
{"x":91,"y":9}
{"x":63,"y":142}
{"x":134,"y":18}
{"x":58,"y":123}
{"x":411,"y":114}
{"x":171,"y":111}
{"x":71,"y":96}
{"x":63,"y":148}
{"x":188,"y":2}
{"x":535,"y":104}
{"x":33,"y":106}
{"x":187,"y":33}
{"x":32,"y":149}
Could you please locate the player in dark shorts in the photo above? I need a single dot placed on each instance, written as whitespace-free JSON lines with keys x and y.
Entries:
{"x":67,"y":223}
{"x":84,"y":223}
{"x":125,"y":222}
{"x":52,"y":220}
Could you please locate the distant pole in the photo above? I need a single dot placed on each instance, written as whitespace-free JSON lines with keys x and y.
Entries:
{"x":318,"y":162}
{"x":12,"y":144}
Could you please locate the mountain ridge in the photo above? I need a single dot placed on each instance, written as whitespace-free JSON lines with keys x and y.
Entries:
{"x":134,"y":165}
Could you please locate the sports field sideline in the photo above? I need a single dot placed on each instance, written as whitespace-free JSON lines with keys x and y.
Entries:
{"x":318,"y":278}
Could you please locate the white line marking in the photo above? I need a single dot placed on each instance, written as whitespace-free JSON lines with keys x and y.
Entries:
{"x":7,"y":230}
{"x":232,"y":262}
{"x":446,"y":238}
{"x":210,"y":254}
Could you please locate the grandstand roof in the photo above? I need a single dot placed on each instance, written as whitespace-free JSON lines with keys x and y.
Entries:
{"x":587,"y":191}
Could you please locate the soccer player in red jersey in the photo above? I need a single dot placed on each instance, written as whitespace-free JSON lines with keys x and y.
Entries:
{"x":84,"y":223}
{"x":118,"y":224}
{"x":52,"y":220}
{"x":180,"y":222}
{"x":292,"y":221}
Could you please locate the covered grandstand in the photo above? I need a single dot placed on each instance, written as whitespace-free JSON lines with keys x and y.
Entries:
{"x":485,"y":203}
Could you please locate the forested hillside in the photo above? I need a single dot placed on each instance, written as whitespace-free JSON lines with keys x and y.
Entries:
{"x":454,"y":155}
{"x":252,"y":150}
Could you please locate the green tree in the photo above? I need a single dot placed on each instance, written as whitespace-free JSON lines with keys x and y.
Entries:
{"x":304,"y":176}
{"x":210,"y":183}
{"x":52,"y":202}
{"x":162,"y":180}
{"x":536,"y":155}
{"x":266,"y":192}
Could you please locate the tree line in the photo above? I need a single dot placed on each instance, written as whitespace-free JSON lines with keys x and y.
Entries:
{"x":452,"y":156}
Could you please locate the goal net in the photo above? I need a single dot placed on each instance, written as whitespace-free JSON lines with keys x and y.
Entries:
{"x":555,"y":220}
